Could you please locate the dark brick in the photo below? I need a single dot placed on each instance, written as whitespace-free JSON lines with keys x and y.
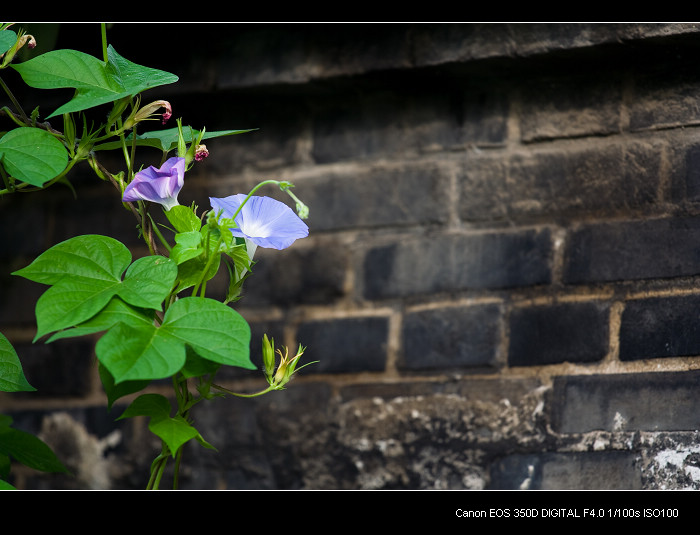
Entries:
{"x":609,"y":470}
{"x":298,"y":275}
{"x":633,"y":250}
{"x":660,"y":327}
{"x":665,"y":97}
{"x":345,"y":345}
{"x":567,"y":332}
{"x":598,"y":179}
{"x":584,"y":104}
{"x":684,"y":168}
{"x":63,"y":368}
{"x":367,"y":125}
{"x":458,"y":262}
{"x":664,"y":401}
{"x":376,"y":196}
{"x":483,"y":191}
{"x":451,"y":338}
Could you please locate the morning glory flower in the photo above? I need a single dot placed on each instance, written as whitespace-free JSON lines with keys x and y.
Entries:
{"x":158,"y":185}
{"x":263,"y":221}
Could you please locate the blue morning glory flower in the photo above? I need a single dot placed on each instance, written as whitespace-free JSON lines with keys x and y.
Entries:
{"x":158,"y":185}
{"x":262,"y":220}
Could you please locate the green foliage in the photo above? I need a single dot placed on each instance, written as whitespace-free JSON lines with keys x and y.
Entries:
{"x":25,"y":448}
{"x":95,"y":81}
{"x":12,"y":377}
{"x":32,"y":155}
{"x":151,"y":316}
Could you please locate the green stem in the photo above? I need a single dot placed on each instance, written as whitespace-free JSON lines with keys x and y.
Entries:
{"x":154,"y":226}
{"x":103,"y":30}
{"x":239,"y":395}
{"x":15,"y":102}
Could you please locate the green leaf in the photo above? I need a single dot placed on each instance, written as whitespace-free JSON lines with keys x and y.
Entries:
{"x":12,"y":377}
{"x":183,"y":219}
{"x":137,"y":354}
{"x":7,"y":39}
{"x":95,"y":82}
{"x":151,"y":405}
{"x":28,"y":450}
{"x":116,"y":311}
{"x":32,"y":155}
{"x":173,"y":431}
{"x":188,"y":245}
{"x":4,"y":485}
{"x":166,"y":140}
{"x":215,"y":331}
{"x":90,"y":256}
{"x":86,"y":272}
{"x":145,"y":352}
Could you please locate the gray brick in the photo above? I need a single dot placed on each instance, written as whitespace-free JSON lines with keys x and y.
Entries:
{"x":567,"y":332}
{"x":458,"y":262}
{"x":298,"y":275}
{"x":633,"y":250}
{"x":345,"y":345}
{"x":665,"y":97}
{"x":451,"y":337}
{"x":590,"y":179}
{"x":664,"y":401}
{"x":583,"y":104}
{"x":376,"y":196}
{"x":62,"y":369}
{"x":660,"y":327}
{"x":607,"y":470}
{"x":360,"y":126}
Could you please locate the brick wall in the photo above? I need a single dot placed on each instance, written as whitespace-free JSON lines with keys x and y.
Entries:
{"x":500,"y":281}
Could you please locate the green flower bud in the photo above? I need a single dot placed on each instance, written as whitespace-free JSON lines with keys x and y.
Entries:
{"x":268,"y":354}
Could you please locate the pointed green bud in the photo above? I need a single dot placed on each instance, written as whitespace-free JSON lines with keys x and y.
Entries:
{"x":268,"y":353}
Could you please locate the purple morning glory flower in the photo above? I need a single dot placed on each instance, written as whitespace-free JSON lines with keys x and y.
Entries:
{"x":158,"y":185}
{"x":262,"y":220}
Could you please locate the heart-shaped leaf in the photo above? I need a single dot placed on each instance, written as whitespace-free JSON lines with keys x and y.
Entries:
{"x":32,"y":155}
{"x":86,"y":272}
{"x":145,"y":352}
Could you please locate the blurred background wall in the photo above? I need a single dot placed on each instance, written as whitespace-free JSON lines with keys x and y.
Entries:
{"x":500,"y":281}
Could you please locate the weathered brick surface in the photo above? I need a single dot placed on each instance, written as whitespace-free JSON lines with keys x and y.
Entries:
{"x":548,"y":334}
{"x":453,"y":337}
{"x":663,"y":401}
{"x":443,"y":263}
{"x":660,"y":327}
{"x":574,"y":471}
{"x":345,"y":345}
{"x":499,"y":282}
{"x":633,"y":250}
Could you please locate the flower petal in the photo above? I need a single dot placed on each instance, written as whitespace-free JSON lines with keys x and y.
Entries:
{"x":158,"y":185}
{"x":264,"y":221}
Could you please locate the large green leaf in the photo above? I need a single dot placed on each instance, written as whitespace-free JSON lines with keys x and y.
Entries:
{"x":12,"y":377}
{"x":95,"y":81}
{"x":86,"y":272}
{"x":32,"y":155}
{"x":116,"y":311}
{"x":144,"y":352}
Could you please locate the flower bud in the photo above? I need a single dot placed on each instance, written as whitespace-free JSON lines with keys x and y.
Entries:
{"x":200,"y":153}
{"x":148,"y":111}
{"x":268,"y":354}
